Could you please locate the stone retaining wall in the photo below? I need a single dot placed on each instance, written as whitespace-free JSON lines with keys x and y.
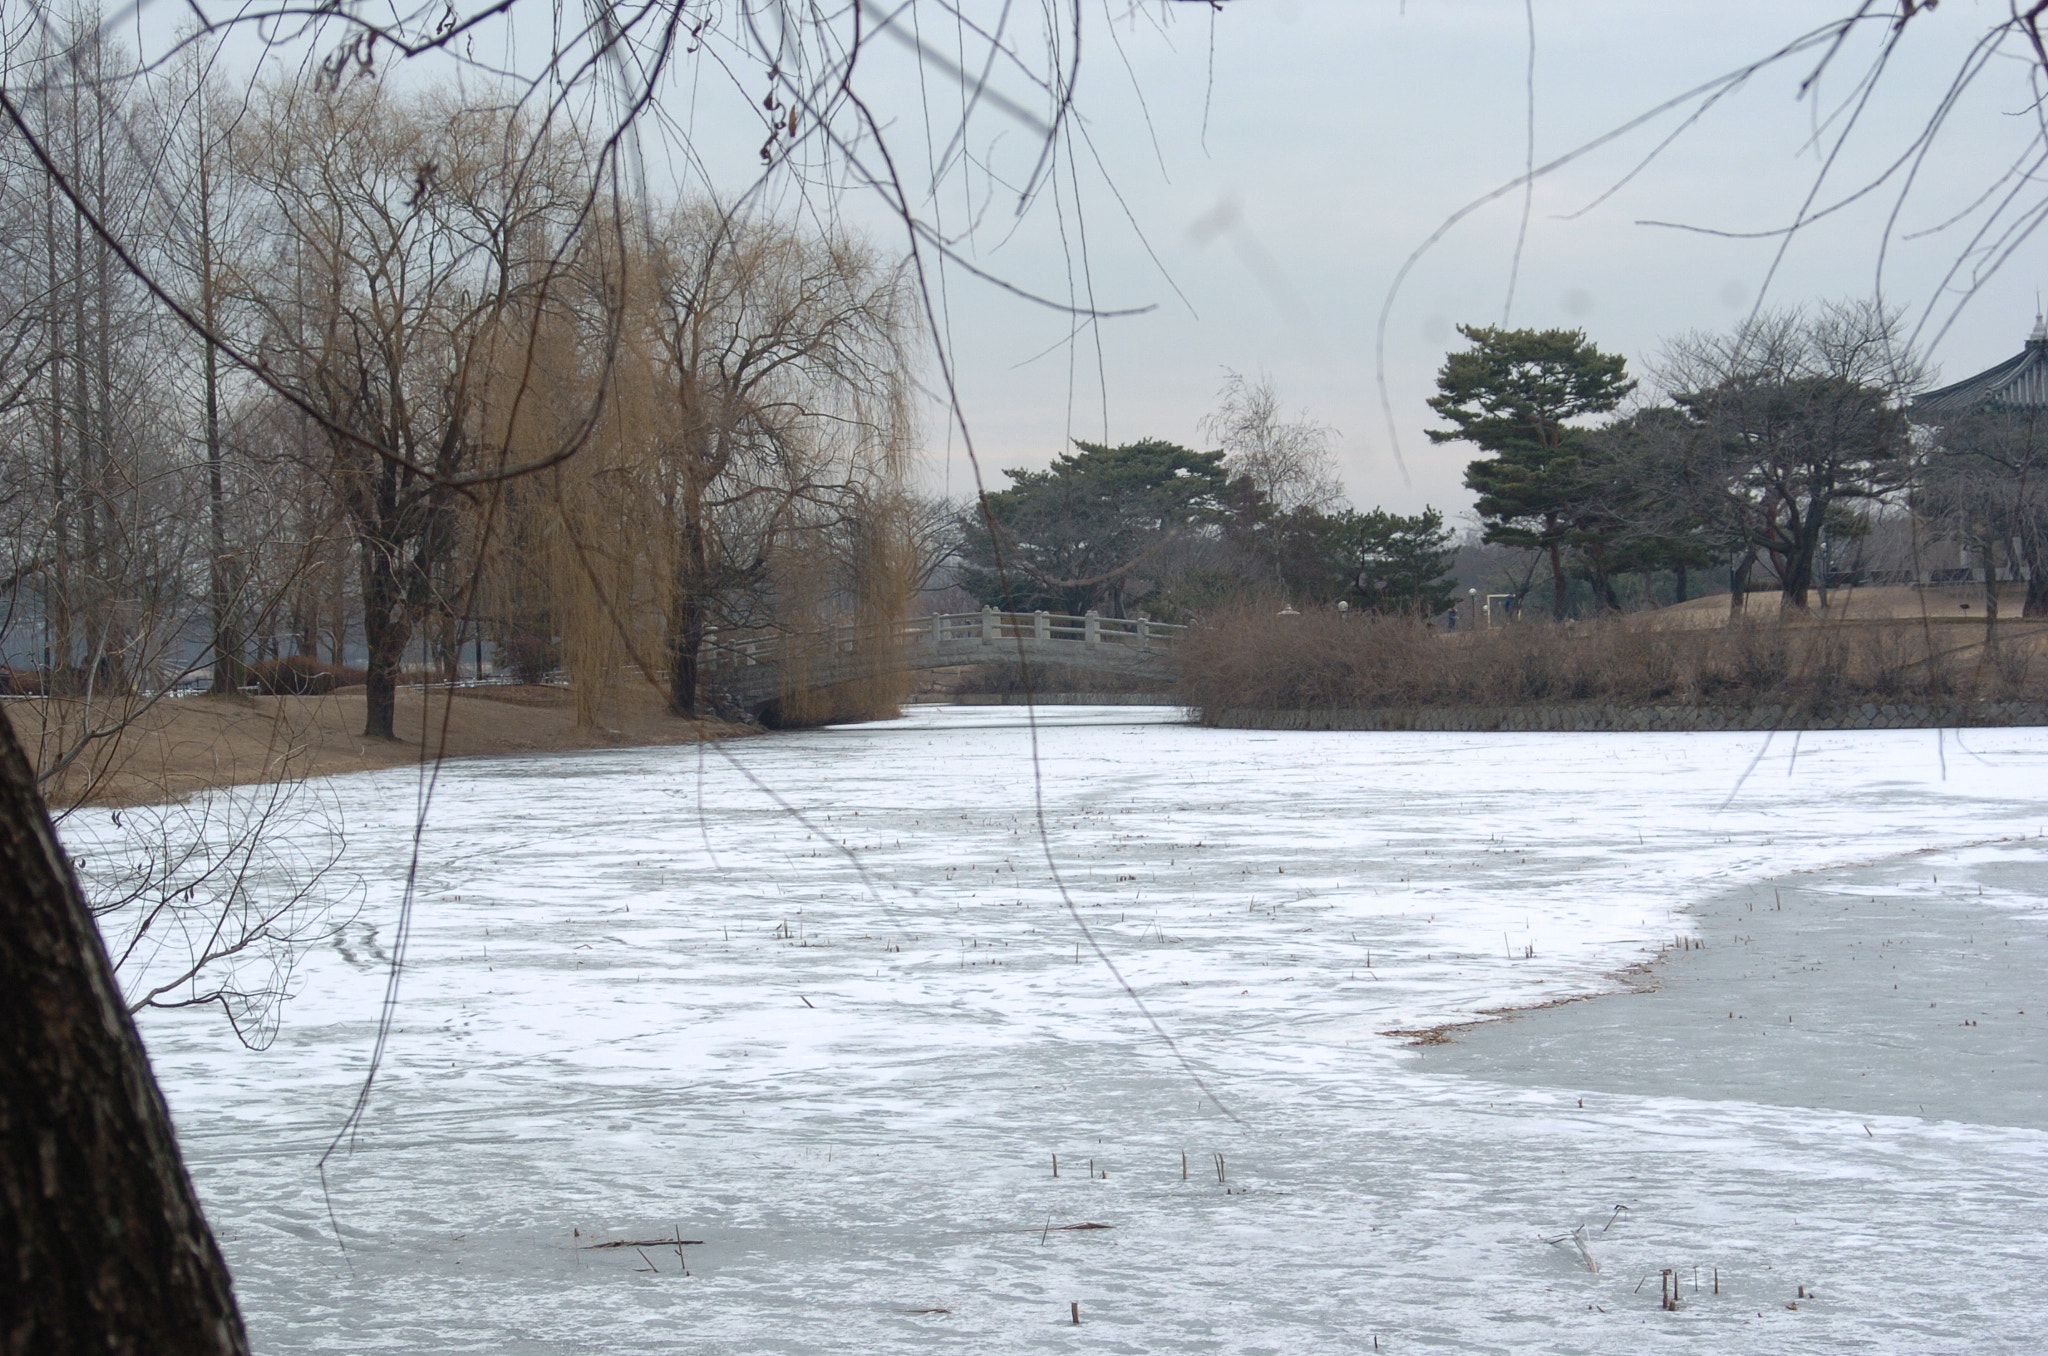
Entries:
{"x":1590,"y":716}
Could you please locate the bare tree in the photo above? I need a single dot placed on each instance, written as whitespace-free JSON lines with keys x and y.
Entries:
{"x":413,"y":245}
{"x":785,"y":367}
{"x":193,"y":118}
{"x":1798,"y":420}
{"x":102,"y":530}
{"x":1286,"y":459}
{"x":1984,"y":479}
{"x":1659,"y":482}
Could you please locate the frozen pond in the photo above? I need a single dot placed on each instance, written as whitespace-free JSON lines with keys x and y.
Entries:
{"x":842,"y":1050}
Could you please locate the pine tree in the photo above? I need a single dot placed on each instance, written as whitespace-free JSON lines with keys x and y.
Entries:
{"x":1514,"y":394}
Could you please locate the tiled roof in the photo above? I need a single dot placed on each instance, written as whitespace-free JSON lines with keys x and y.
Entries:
{"x":2019,"y":383}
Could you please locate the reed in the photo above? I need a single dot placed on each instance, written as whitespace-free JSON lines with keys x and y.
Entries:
{"x":1251,"y":659}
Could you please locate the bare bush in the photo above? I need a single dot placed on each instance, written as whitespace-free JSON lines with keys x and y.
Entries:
{"x":301,"y":675}
{"x":1252,"y":659}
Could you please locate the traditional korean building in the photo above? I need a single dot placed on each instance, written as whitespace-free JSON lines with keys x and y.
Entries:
{"x":2018,"y":383}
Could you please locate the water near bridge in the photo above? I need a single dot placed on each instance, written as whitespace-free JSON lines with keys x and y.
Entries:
{"x":824,"y":1011}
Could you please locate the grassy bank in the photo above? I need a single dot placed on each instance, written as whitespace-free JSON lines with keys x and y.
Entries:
{"x":1253,"y":660}
{"x":176,"y":746}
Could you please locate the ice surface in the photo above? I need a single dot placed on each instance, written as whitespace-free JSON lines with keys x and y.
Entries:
{"x":1890,"y":989}
{"x":643,"y":997}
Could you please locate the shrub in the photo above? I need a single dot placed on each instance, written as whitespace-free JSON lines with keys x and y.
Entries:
{"x":300,"y":675}
{"x":532,"y":659}
{"x":1250,"y":659}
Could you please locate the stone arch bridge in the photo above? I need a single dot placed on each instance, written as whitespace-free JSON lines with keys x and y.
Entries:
{"x":757,"y":674}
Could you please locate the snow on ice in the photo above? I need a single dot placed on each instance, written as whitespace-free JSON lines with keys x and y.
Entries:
{"x":817,"y":1004}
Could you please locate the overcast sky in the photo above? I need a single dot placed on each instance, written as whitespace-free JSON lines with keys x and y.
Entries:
{"x":1341,"y":133}
{"x":1261,"y":190}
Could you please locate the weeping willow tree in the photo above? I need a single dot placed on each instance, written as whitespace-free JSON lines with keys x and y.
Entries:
{"x":783,"y":363}
{"x":747,"y":478}
{"x":600,"y":549}
{"x":871,"y":556}
{"x":415,"y":252}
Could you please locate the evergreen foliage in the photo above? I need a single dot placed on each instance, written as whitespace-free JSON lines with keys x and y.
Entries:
{"x":1514,"y":394}
{"x":1091,"y":531}
{"x":1394,"y":563}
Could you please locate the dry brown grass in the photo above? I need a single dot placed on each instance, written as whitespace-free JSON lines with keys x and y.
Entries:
{"x":1941,"y":604}
{"x":182,"y":745}
{"x":1251,"y":659}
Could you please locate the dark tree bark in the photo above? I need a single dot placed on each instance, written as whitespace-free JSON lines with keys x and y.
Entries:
{"x":685,"y":648}
{"x":2036,"y":604}
{"x":1987,"y":544}
{"x":101,"y":1237}
{"x":223,"y":574}
{"x":401,"y":530}
{"x":1801,"y":548}
{"x":689,"y":611}
{"x":1556,"y":572}
{"x":1738,"y":582}
{"x":386,"y":633}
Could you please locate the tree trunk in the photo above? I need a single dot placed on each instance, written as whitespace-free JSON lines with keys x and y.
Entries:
{"x":340,"y":601}
{"x":305,"y":623}
{"x":448,"y":645}
{"x":1556,"y":581}
{"x":1738,"y":583}
{"x":57,"y":596}
{"x":385,"y":635}
{"x":689,"y":614}
{"x":221,"y":584}
{"x":1990,"y":553}
{"x":224,"y":578}
{"x":106,"y":1249}
{"x":1798,"y":577}
{"x":1603,"y":587}
{"x":686,"y":643}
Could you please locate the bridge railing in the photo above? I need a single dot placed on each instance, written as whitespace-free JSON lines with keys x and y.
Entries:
{"x":990,"y":625}
{"x":950,"y":629}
